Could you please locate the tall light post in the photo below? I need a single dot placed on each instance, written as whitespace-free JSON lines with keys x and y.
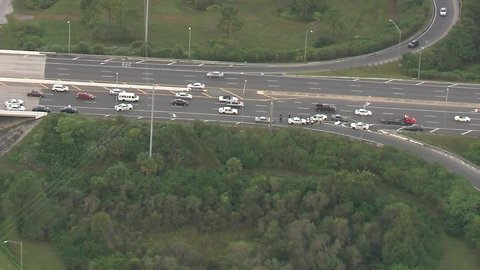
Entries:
{"x":271,"y":112}
{"x":68,"y":22}
{"x":243,"y":94}
{"x":419,"y":63}
{"x":21,"y":250}
{"x":445,"y":112}
{"x":399,"y":38}
{"x":305,"y":49}
{"x":116,"y":79}
{"x":189,"y":41}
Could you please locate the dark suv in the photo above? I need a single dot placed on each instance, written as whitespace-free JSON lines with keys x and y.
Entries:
{"x":179,"y":102}
{"x":322,"y":107}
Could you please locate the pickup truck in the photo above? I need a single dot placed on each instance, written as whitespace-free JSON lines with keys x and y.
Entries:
{"x":322,"y":107}
{"x":405,"y":121}
{"x":227,"y":110}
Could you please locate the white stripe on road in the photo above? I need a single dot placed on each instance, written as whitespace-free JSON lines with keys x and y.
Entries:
{"x":297,"y":102}
{"x":272,"y":80}
{"x":389,"y":81}
{"x":315,"y":88}
{"x":107,"y":76}
{"x":387,"y":113}
{"x":261,"y":111}
{"x":201,"y":64}
{"x":420,"y":83}
{"x":312,"y":83}
{"x":76,"y":58}
{"x":64,"y":74}
{"x":397,"y":88}
{"x":272,"y":85}
{"x":233,"y":83}
{"x":303,"y":108}
{"x":452,"y":85}
{"x":280,"y":101}
{"x":260,"y":105}
{"x":171,"y":63}
{"x":355,"y":85}
{"x":188,"y":75}
{"x":431,"y":116}
{"x":400,"y":94}
{"x":432,"y":122}
{"x":358,"y":91}
{"x":433,"y":130}
{"x":466,"y":132}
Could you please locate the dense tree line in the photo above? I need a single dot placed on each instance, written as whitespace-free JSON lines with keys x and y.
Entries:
{"x":291,"y":200}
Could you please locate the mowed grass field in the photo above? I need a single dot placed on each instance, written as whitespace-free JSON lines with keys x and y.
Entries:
{"x":264,"y":27}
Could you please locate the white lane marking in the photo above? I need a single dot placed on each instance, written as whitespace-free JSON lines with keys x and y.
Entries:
{"x":315,"y":88}
{"x":431,"y":116}
{"x":400,"y":94}
{"x":171,"y":63}
{"x":355,"y":85}
{"x":147,"y":73}
{"x":476,"y":188}
{"x":62,"y":68}
{"x":106,"y":71}
{"x":389,"y":81}
{"x":107,"y":76}
{"x":432,"y":122}
{"x":281,"y":101}
{"x":233,"y":83}
{"x":64,"y":74}
{"x":345,"y":110}
{"x":356,"y":79}
{"x":439,"y":91}
{"x":272,"y":80}
{"x":270,"y":85}
{"x":474,"y":124}
{"x":303,"y":108}
{"x":433,"y":130}
{"x":76,"y":58}
{"x":420,"y":83}
{"x":453,"y":85}
{"x":230,"y":78}
{"x":201,"y":64}
{"x":357,"y":91}
{"x":261,"y":111}
{"x":312,"y":83}
{"x":47,"y":99}
{"x":261,"y":105}
{"x":147,"y":79}
{"x":440,"y":96}
{"x":188,"y":75}
{"x":390,"y":113}
{"x":397,"y":88}
{"x":139,"y":62}
{"x":297,"y":102}
{"x":466,"y":132}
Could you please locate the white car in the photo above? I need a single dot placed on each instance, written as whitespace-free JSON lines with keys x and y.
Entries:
{"x":297,"y":121}
{"x":462,"y":118}
{"x":227,"y":110}
{"x":123,"y":107}
{"x":59,"y":88}
{"x":115,"y":91}
{"x":15,"y":107}
{"x":443,"y":11}
{"x":318,"y":118}
{"x":363,"y":112}
{"x":236,"y":104}
{"x":196,"y":86}
{"x":215,"y":74}
{"x":262,"y":119}
{"x":360,"y":125}
{"x":13,"y":101}
{"x":183,"y":95}
{"x":227,"y":99}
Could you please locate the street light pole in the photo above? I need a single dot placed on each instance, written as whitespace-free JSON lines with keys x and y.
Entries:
{"x":419,"y":63}
{"x":305,"y":49}
{"x":68,"y":36}
{"x":116,"y":79}
{"x":271,"y":112}
{"x":445,"y":112}
{"x":189,"y":40}
{"x":399,"y":38}
{"x":21,"y":250}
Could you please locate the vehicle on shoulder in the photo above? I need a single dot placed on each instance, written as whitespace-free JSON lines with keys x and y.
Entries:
{"x":183,"y":95}
{"x":297,"y":121}
{"x":69,"y":109}
{"x":215,"y":74}
{"x":14,"y":101}
{"x":35,"y":93}
{"x":262,"y":120}
{"x":323,"y":107}
{"x":318,"y":118}
{"x":41,"y":108}
{"x":227,"y":110}
{"x":414,"y":127}
{"x":123,"y":107}
{"x":462,"y":118}
{"x":85,"y":96}
{"x":227,"y":99}
{"x":360,"y":125}
{"x":59,"y":88}
{"x":179,"y":102}
{"x":413,"y":44}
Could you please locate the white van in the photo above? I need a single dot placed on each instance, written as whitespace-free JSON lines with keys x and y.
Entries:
{"x":126,"y":96}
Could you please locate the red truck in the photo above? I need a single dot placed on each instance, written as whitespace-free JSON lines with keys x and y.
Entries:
{"x":406,"y":120}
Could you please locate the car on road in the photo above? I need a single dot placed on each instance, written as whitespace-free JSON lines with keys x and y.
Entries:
{"x":179,"y":102}
{"x":443,"y":12}
{"x":41,"y":108}
{"x":413,"y":44}
{"x":227,"y":99}
{"x":196,"y":86}
{"x":318,"y":118}
{"x":123,"y":107}
{"x":14,"y":101}
{"x":227,"y":110}
{"x":15,"y":107}
{"x":59,"y":88}
{"x":297,"y":121}
{"x":183,"y":95}
{"x":35,"y":93}
{"x":69,"y":109}
{"x":322,"y":107}
{"x":462,"y":118}
{"x":115,"y":91}
{"x":339,"y":118}
{"x":262,"y":120}
{"x":363,"y":112}
{"x":215,"y":74}
{"x":414,"y":127}
{"x":360,"y":125}
{"x":85,"y":96}
{"x":235,"y":104}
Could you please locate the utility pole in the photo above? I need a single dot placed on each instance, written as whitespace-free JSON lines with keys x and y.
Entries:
{"x":271,"y":112}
